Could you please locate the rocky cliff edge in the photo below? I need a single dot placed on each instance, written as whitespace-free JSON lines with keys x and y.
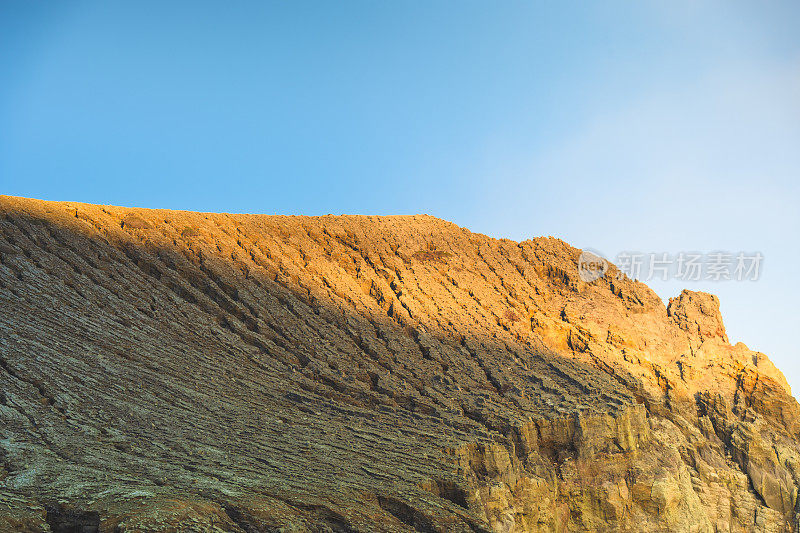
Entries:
{"x":177,"y":371}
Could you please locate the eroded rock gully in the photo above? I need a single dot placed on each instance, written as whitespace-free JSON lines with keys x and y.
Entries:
{"x":177,"y":371}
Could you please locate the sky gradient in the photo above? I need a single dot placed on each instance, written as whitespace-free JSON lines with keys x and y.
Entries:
{"x":618,"y":126}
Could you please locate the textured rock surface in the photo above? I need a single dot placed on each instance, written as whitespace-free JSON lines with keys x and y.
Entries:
{"x":176,"y":371}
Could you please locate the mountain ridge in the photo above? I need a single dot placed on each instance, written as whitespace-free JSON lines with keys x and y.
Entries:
{"x":366,"y":373}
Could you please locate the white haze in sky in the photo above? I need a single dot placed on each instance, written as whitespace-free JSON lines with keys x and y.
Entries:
{"x":712,"y":165}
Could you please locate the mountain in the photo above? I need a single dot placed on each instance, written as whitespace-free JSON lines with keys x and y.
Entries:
{"x":178,"y":371}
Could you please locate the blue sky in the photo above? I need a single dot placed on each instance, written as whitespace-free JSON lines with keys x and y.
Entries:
{"x":643,"y":126}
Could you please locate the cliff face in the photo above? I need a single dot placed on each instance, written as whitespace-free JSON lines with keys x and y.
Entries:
{"x":177,"y":371}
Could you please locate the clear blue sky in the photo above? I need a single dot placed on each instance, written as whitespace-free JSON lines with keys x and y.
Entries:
{"x":663,"y":126}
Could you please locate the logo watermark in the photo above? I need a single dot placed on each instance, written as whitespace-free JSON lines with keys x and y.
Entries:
{"x":684,"y":266}
{"x":591,"y":265}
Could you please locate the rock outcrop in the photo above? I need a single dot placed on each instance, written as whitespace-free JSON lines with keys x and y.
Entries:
{"x":698,"y":314}
{"x":178,"y":371}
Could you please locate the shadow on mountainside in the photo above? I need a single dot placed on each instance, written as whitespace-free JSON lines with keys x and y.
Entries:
{"x":144,"y":364}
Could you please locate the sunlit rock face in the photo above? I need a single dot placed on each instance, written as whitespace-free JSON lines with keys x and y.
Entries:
{"x":178,"y":371}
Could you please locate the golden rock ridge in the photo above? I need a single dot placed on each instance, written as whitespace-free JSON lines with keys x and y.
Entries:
{"x":177,"y":371}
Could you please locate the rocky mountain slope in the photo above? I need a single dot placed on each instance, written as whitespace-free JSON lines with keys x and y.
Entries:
{"x":178,"y":371}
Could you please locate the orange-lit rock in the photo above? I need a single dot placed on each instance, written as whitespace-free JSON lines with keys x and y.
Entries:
{"x":178,"y":371}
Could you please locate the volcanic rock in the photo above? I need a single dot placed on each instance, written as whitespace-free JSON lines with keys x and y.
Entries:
{"x":177,"y":371}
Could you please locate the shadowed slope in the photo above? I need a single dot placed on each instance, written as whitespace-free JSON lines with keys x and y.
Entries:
{"x":249,"y":372}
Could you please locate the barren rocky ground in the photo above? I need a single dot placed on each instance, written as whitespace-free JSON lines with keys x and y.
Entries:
{"x":177,"y":371}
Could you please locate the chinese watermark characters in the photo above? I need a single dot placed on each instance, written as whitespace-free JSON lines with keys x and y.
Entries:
{"x":684,"y":266}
